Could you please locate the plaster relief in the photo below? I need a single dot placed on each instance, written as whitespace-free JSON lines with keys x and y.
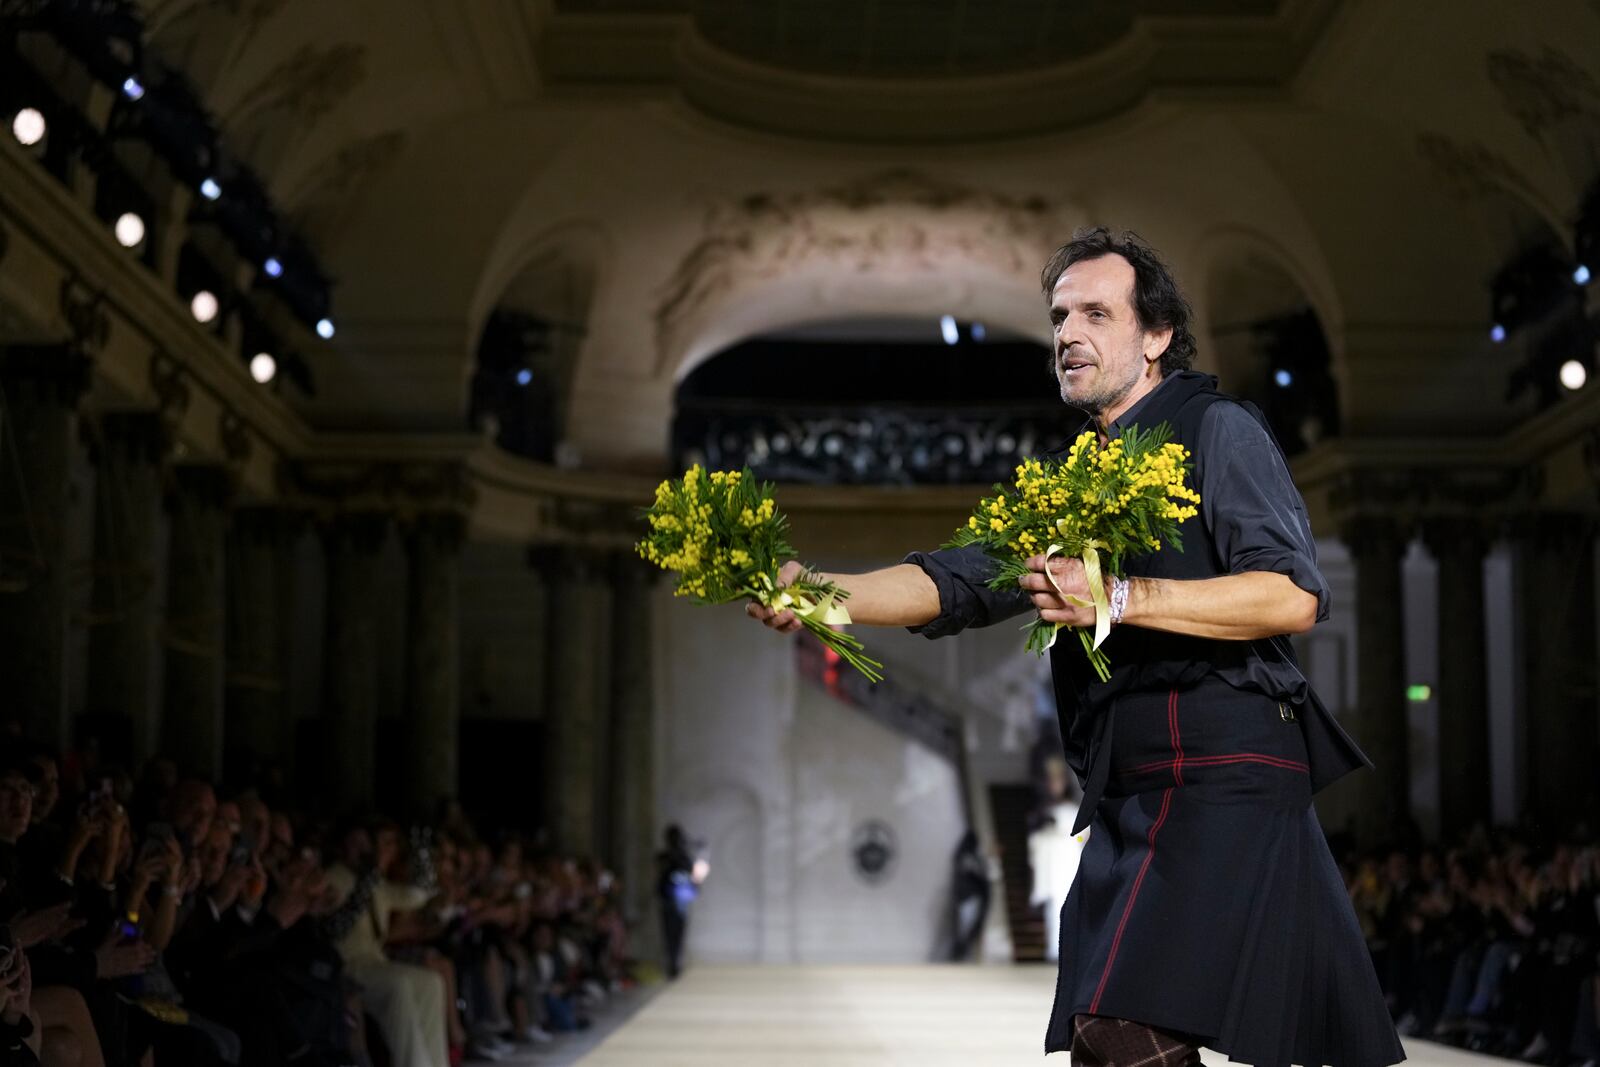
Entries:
{"x":885,"y":228}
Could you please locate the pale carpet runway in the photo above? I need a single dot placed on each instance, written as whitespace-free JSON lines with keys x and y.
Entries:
{"x":862,"y":1016}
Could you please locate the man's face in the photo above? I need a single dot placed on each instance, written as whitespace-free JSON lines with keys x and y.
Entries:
{"x":194,"y":805}
{"x":1099,"y":347}
{"x":49,"y":788}
{"x":16,"y":805}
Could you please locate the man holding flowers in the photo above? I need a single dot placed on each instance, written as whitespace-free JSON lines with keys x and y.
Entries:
{"x":1207,"y":910}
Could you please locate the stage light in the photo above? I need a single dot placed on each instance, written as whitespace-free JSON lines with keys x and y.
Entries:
{"x":1580,"y":274}
{"x":947,"y":327}
{"x":29,"y":126}
{"x":978,"y":332}
{"x":1283,"y":378}
{"x":325,"y":329}
{"x":129,"y":230}
{"x":273,"y":267}
{"x":210,"y":189}
{"x":204,"y":306}
{"x":132,"y":89}
{"x":524,"y":376}
{"x":1497,"y":333}
{"x":263,"y":368}
{"x":1574,"y":374}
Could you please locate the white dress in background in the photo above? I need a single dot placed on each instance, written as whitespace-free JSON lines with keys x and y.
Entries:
{"x":1053,"y":852}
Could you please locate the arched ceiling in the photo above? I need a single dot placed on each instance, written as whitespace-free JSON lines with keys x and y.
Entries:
{"x":712,"y":167}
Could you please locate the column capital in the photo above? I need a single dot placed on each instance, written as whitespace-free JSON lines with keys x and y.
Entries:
{"x":141,"y":436}
{"x":1554,"y":531}
{"x":402,"y":488}
{"x":1372,"y":536}
{"x":1457,"y":535}
{"x":443,"y":531}
{"x":555,"y":560}
{"x":361,"y":532}
{"x":207,"y":484}
{"x":61,"y":371}
{"x":267,"y":524}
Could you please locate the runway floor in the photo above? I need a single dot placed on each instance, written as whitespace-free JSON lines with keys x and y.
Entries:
{"x":863,"y":1016}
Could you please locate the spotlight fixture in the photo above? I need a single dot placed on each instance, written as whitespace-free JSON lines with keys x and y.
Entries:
{"x":325,"y":329}
{"x":273,"y":267}
{"x":263,"y":368}
{"x":204,"y":306}
{"x":1497,"y":333}
{"x":210,"y":189}
{"x":1574,"y":375}
{"x":978,"y":331}
{"x":132,"y":88}
{"x":1580,"y":274}
{"x":1283,"y":378}
{"x":524,"y":376}
{"x":129,"y":230}
{"x":948,"y":327}
{"x":29,"y":126}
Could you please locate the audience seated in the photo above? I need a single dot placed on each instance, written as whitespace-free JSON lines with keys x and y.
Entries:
{"x":1489,"y":942}
{"x":149,"y":923}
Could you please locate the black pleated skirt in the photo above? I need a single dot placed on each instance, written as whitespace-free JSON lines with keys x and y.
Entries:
{"x":1207,"y":902}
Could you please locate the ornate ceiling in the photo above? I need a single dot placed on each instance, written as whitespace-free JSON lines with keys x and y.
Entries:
{"x":670,"y":176}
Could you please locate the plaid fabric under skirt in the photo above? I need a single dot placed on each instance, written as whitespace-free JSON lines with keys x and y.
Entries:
{"x":1100,"y":1041}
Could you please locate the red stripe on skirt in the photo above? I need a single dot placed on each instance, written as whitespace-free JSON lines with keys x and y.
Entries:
{"x":1133,"y":894}
{"x":1217,"y":761}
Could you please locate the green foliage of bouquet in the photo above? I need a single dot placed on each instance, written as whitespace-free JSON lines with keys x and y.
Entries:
{"x":725,"y":538}
{"x":1121,"y":499}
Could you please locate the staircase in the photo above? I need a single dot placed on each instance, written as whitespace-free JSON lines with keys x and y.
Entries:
{"x":1010,"y":804}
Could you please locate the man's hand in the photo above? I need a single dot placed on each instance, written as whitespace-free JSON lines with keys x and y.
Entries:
{"x":784,"y":620}
{"x":1069,"y":576}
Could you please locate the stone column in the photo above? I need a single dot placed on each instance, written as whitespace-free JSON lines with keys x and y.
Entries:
{"x":39,"y":391}
{"x":350,"y":664}
{"x":1377,"y":544}
{"x":191,"y":707}
{"x":433,"y":658}
{"x":124,"y":620}
{"x":259,"y":723}
{"x":1459,"y":545}
{"x":633,"y":784}
{"x":1558,"y":621}
{"x":576,"y":703}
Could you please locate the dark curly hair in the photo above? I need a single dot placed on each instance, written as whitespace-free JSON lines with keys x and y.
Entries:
{"x":1157,"y":300}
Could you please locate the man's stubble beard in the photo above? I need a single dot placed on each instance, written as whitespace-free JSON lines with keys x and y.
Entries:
{"x":1101,"y":399}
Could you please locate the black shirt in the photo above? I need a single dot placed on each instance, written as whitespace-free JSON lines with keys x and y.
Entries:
{"x":1249,"y":505}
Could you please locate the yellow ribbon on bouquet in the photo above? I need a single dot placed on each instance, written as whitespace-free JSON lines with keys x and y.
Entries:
{"x":1097,"y":588}
{"x":828,"y":610}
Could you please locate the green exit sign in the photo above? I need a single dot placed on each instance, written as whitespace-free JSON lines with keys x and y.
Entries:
{"x":1419,"y":693}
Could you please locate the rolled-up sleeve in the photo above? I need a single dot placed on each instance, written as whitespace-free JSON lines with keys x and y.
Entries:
{"x":962,"y":577}
{"x":1257,"y":517}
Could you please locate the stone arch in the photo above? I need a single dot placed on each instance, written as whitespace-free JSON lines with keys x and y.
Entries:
{"x":1251,"y":291}
{"x":893,"y":243}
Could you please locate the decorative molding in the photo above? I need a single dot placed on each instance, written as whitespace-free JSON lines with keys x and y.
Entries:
{"x":169,"y":382}
{"x":323,"y":199}
{"x":669,"y":50}
{"x":892,"y":220}
{"x":234,"y":434}
{"x":403,"y":489}
{"x":84,"y":313}
{"x":304,"y":87}
{"x":1542,"y":90}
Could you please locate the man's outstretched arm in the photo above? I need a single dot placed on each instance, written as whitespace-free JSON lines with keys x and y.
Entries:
{"x":902,"y":595}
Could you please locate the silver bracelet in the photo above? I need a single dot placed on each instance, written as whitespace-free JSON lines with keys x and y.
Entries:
{"x":1119,"y":599}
